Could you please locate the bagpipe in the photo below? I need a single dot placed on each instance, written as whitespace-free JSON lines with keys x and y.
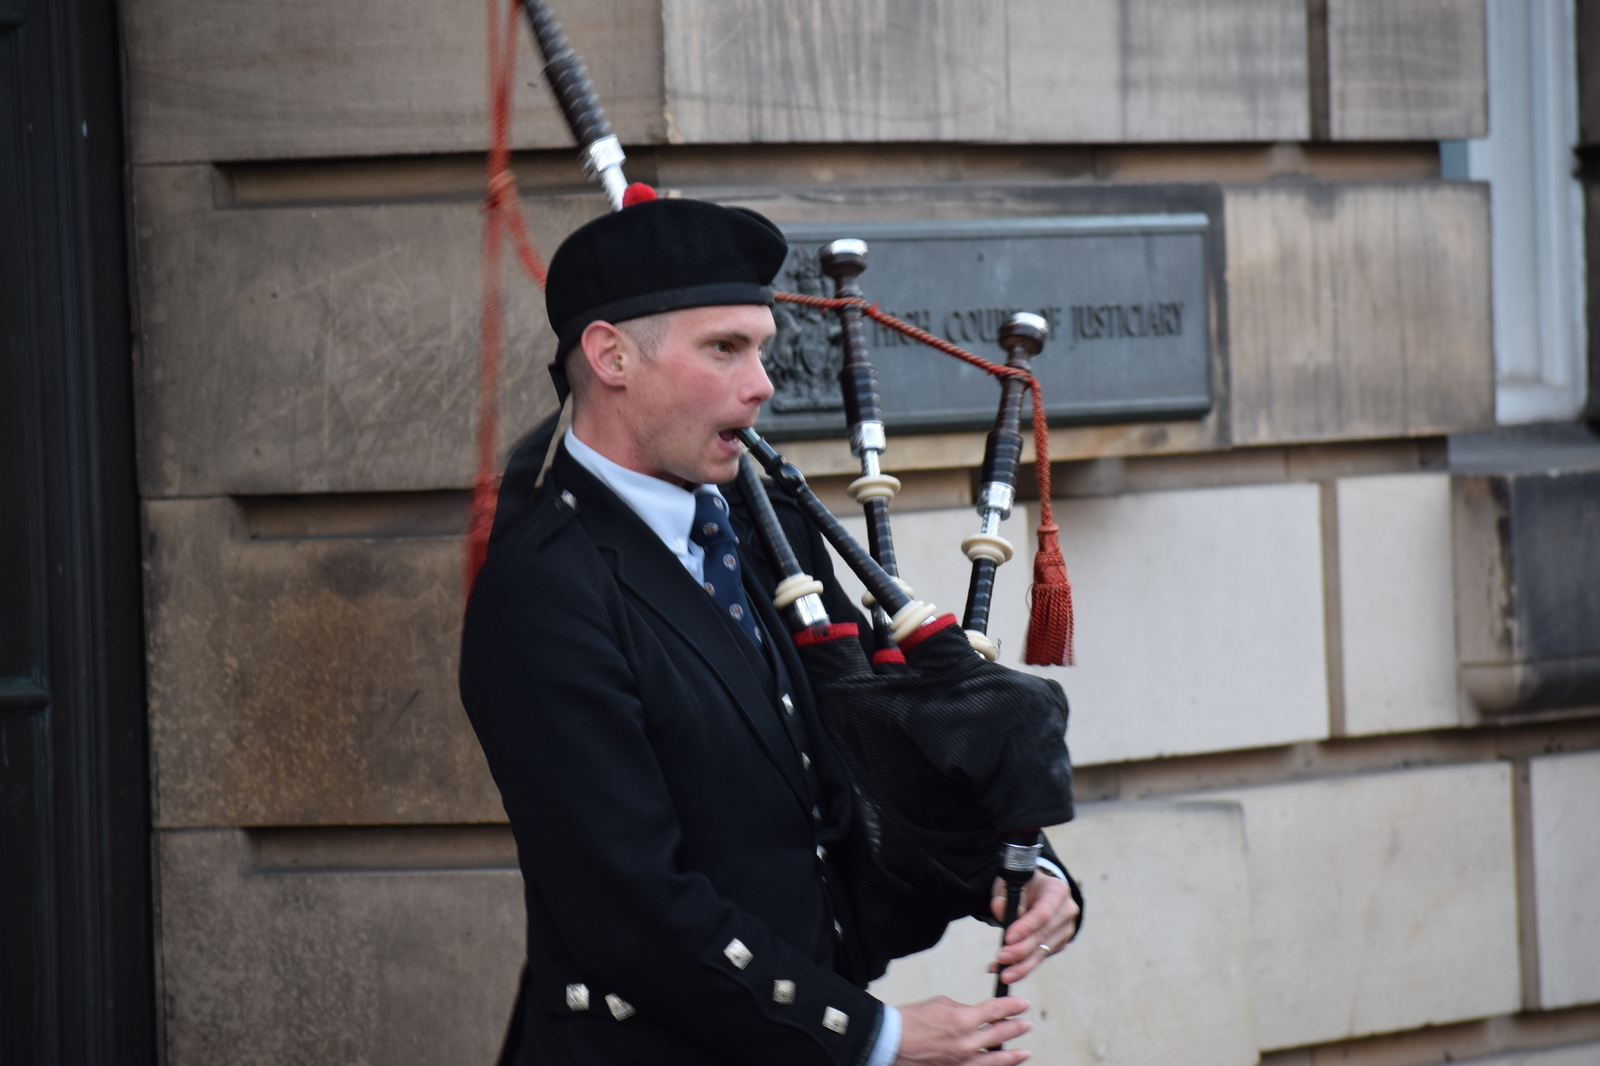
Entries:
{"x":961,"y":761}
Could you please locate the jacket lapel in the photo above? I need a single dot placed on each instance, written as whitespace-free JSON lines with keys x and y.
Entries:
{"x":645,"y":567}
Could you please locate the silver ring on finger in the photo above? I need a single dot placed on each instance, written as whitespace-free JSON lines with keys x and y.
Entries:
{"x":1044,"y":948}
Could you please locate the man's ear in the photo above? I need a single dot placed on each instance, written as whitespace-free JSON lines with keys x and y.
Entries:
{"x":609,"y":352}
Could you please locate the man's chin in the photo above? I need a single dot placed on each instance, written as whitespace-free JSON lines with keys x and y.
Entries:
{"x":718,"y":471}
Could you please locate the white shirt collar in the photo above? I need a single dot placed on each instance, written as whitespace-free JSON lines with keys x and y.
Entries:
{"x":667,"y":509}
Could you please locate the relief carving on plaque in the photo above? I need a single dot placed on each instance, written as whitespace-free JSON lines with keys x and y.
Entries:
{"x":805,"y":354}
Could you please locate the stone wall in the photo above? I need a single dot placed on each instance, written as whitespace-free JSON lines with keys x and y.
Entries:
{"x":1306,"y":836}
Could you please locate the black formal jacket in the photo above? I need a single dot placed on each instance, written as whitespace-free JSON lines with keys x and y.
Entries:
{"x":690,"y":845}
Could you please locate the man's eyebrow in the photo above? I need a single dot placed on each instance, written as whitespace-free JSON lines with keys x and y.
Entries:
{"x":738,"y":336}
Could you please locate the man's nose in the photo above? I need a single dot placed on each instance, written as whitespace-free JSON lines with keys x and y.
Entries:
{"x":758,"y":387}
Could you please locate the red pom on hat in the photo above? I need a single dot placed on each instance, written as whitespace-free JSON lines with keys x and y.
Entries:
{"x":637,"y":193}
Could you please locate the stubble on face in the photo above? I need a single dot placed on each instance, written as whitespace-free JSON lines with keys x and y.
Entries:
{"x":705,"y":381}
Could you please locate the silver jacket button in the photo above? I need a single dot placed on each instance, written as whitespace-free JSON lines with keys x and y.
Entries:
{"x":835,"y":1019}
{"x":621,"y":1009}
{"x":737,"y":953}
{"x":783,"y":992}
{"x":578,"y":997}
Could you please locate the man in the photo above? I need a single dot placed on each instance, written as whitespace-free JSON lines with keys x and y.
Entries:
{"x":691,"y":848}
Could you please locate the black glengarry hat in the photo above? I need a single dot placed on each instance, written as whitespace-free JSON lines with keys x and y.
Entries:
{"x":655,"y":256}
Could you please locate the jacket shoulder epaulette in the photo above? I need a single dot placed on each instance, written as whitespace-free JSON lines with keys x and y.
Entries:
{"x":548,"y":514}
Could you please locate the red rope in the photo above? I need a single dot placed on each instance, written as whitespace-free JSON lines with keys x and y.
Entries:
{"x":1051,"y":623}
{"x":502,"y":220}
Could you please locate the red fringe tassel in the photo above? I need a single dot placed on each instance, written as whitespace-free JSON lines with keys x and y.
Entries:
{"x":1050,"y":621}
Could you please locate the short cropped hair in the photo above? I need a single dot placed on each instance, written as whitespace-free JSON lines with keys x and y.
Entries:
{"x":647,"y":331}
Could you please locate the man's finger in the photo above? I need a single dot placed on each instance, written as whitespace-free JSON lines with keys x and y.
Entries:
{"x":1046,"y":895}
{"x":997,"y":1034}
{"x":1006,"y":1057}
{"x":991,"y":1011}
{"x":1029,"y":922}
{"x":1022,"y":967}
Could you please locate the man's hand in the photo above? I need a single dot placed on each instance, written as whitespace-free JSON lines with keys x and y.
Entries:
{"x":942,"y":1032}
{"x":1048,"y":916}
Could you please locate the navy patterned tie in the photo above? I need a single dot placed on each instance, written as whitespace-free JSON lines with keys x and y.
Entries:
{"x":713,"y":532}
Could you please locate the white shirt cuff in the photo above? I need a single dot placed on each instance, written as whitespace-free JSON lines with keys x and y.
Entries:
{"x":888,"y":1045}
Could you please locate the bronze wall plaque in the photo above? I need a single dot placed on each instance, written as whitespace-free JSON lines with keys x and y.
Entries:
{"x":1125,"y":295}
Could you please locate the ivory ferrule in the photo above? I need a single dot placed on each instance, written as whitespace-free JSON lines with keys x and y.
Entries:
{"x":909,"y":617}
{"x":873,"y":487}
{"x":988,"y":546}
{"x":794,"y":588}
{"x":983,"y":644}
{"x":869,"y":601}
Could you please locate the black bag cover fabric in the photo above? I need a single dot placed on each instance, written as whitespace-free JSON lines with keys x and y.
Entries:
{"x":950,"y":749}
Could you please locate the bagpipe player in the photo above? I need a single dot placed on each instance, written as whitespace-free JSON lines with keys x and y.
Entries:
{"x":693,"y":851}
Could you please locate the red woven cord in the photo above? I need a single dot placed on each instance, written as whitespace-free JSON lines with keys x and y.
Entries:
{"x":502,"y":220}
{"x":1050,"y":621}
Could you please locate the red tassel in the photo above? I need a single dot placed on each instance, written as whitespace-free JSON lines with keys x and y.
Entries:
{"x":637,"y":193}
{"x":1050,"y":623}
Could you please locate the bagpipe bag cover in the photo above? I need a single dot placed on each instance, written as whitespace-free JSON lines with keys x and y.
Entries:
{"x":951,"y":750}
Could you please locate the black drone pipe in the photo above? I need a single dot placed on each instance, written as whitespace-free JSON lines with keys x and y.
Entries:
{"x":844,"y":261}
{"x":1022,"y":337}
{"x":798,"y":595}
{"x":905,"y":613}
{"x":598,"y":146}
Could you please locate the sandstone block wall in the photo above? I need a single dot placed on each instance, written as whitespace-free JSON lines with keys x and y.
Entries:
{"x":1301,"y":838}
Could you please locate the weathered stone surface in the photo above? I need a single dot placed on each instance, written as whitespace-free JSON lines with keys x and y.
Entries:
{"x":1407,"y":71}
{"x":1199,"y":621}
{"x":305,"y":680}
{"x":1565,"y":794}
{"x":1396,"y":603}
{"x":1144,"y":70}
{"x":891,"y":70}
{"x":1161,"y":970}
{"x":333,"y":348}
{"x":805,"y":70}
{"x":1381,"y":902}
{"x":1527,"y":571}
{"x":260,"y":965}
{"x":1358,"y":311}
{"x":230,"y":81}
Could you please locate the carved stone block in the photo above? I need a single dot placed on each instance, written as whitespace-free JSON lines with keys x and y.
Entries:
{"x":301,"y":347}
{"x":306,"y":676}
{"x":231,"y":81}
{"x":1407,"y":71}
{"x":389,"y":954}
{"x":1381,"y":902}
{"x":1359,"y":311}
